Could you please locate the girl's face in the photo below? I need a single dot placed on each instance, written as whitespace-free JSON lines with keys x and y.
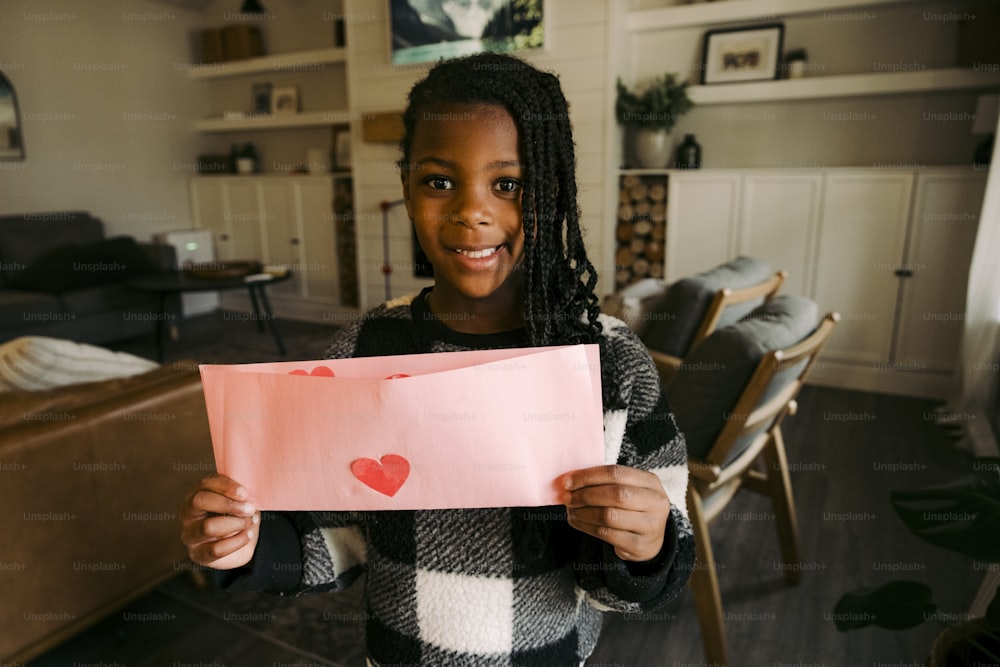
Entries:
{"x":462,"y":189}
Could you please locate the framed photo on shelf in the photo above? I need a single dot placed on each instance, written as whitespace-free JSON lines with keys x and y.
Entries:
{"x":261,"y":93}
{"x":285,"y":100}
{"x":742,"y":54}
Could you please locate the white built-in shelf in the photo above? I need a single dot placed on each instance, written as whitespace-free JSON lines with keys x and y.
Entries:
{"x":276,"y":122}
{"x":730,"y":11}
{"x":299,"y":61}
{"x":846,"y":85}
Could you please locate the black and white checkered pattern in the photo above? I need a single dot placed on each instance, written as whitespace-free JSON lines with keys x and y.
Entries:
{"x":507,"y":586}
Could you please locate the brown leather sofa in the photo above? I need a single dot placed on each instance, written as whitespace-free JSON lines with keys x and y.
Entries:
{"x":91,"y":479}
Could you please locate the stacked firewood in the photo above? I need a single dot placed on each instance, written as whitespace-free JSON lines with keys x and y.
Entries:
{"x":642,"y":228}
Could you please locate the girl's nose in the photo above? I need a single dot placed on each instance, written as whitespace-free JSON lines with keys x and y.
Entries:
{"x":472,"y":207}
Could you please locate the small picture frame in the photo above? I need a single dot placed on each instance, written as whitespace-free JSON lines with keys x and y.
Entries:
{"x":742,"y":54}
{"x":284,"y":100}
{"x":261,"y":93}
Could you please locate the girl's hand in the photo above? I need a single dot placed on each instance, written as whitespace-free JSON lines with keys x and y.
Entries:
{"x":219,"y":524}
{"x":625,"y":507}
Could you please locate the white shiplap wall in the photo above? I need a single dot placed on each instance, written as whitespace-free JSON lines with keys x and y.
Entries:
{"x":578,"y":40}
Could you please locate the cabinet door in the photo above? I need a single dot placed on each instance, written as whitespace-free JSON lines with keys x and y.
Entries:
{"x":701,"y":221}
{"x":280,"y":231}
{"x":208,"y":206}
{"x":319,"y":271}
{"x":242,"y":217}
{"x":943,"y":229}
{"x":862,"y":229}
{"x":778,"y":220}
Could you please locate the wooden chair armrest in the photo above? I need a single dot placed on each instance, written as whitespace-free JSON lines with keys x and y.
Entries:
{"x":666,"y":365}
{"x":703,"y":470}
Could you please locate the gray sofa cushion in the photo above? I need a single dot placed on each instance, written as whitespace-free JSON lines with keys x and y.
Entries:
{"x":20,"y":308}
{"x":674,"y":321}
{"x":24,"y":238}
{"x":707,"y":385}
{"x":74,"y":266}
{"x":113,"y":297}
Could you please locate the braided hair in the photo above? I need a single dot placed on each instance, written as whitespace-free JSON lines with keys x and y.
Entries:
{"x":560,"y":304}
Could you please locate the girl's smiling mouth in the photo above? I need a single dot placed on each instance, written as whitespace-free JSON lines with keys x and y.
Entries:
{"x":478,"y":253}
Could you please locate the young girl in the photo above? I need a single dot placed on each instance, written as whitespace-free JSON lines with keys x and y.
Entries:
{"x":488,"y":175}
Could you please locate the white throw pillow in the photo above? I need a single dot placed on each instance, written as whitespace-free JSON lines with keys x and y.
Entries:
{"x":633,"y":304}
{"x":36,"y":363}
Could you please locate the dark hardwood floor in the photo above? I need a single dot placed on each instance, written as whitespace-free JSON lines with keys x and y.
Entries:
{"x":847,"y":450}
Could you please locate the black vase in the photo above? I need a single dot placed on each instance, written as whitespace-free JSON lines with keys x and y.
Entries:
{"x":688,"y":154}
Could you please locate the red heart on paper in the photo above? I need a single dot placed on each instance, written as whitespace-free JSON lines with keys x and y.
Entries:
{"x":320,"y":371}
{"x":385,"y":476}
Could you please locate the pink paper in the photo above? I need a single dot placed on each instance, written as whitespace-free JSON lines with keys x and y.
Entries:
{"x":491,"y":428}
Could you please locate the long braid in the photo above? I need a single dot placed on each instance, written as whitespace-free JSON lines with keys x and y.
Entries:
{"x":560,"y":304}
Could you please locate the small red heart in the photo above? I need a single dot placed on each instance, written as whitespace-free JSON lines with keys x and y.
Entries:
{"x":385,"y":476}
{"x":319,"y":371}
{"x":397,"y":375}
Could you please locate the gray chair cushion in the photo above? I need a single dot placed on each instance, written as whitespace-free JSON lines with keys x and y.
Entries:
{"x":674,"y":320}
{"x":709,"y":382}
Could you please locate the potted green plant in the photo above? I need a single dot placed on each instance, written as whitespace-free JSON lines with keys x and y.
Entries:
{"x":963,"y":517}
{"x":244,"y":158}
{"x":648,"y":115}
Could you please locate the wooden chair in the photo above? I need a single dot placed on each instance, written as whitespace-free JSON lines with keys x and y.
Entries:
{"x":749,"y":453}
{"x":667,"y":364}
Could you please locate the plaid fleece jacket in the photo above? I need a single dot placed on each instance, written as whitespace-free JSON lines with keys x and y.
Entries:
{"x":508,"y":586}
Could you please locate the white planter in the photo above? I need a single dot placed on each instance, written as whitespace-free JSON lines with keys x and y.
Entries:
{"x":648,"y":148}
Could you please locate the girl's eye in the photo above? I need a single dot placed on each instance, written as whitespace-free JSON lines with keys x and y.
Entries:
{"x":508,"y":185}
{"x":439,"y":183}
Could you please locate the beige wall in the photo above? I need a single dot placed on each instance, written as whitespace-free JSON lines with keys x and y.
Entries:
{"x":107,"y":109}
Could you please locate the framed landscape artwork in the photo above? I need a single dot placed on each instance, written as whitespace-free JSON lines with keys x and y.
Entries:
{"x":11,"y":146}
{"x":427,"y":30}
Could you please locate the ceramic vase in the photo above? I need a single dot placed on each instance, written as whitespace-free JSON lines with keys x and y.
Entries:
{"x":650,"y":148}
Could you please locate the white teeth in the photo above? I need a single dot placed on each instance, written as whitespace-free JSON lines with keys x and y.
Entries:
{"x":477,"y":254}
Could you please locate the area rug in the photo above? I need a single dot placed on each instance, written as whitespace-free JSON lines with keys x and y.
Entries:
{"x":225,"y":337}
{"x":327,"y":625}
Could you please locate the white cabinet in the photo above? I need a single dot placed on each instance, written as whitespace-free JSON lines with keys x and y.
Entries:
{"x":943,"y":227}
{"x":894,"y":258}
{"x":861,"y":237}
{"x":286,"y":220}
{"x":720,"y":214}
{"x":319,"y":250}
{"x":706,"y":202}
{"x":888,"y":249}
{"x":778,"y":216}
